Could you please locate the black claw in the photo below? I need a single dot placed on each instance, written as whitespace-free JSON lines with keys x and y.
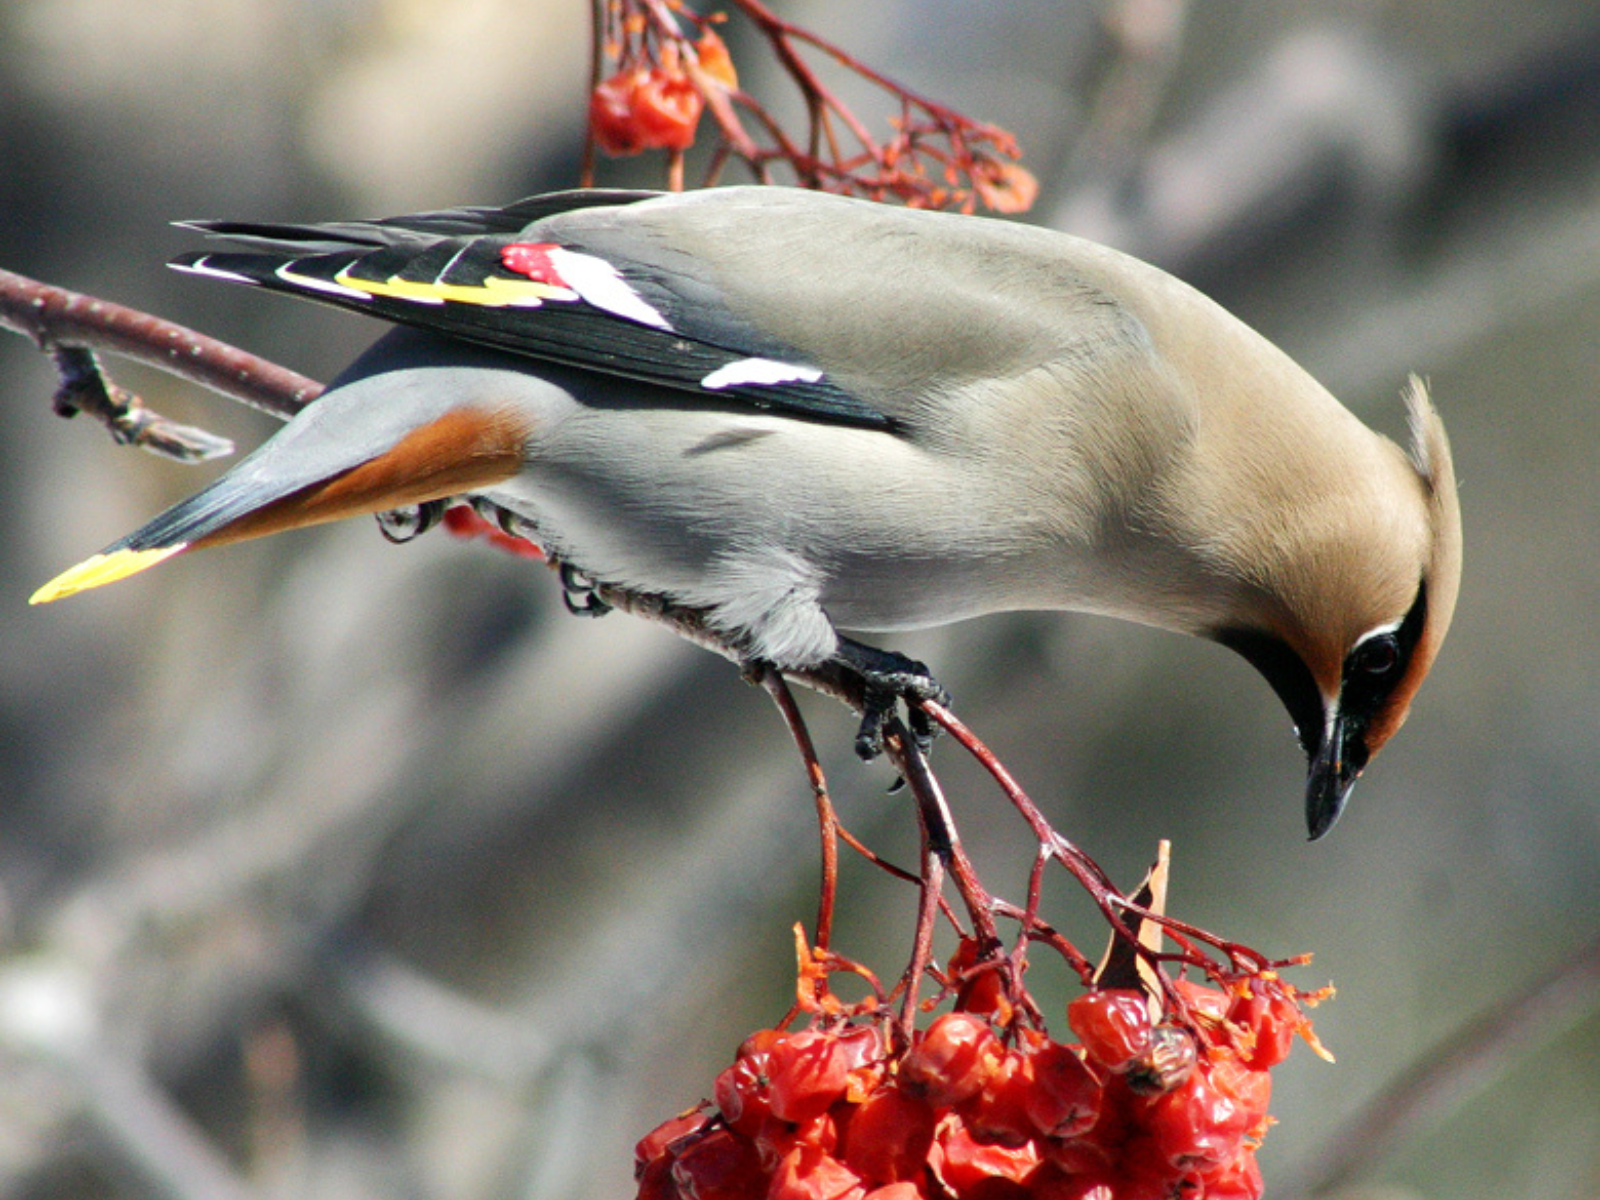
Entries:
{"x":887,"y":678}
{"x":403,"y":524}
{"x":580,"y":593}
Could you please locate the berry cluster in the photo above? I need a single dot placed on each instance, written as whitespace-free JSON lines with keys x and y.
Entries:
{"x":657,"y":105}
{"x":1133,"y":1110}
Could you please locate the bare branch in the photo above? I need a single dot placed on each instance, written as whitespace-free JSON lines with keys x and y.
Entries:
{"x":86,"y":388}
{"x":56,"y":318}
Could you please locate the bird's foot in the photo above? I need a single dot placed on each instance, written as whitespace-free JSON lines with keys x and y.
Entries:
{"x":886,"y":679}
{"x":581,"y":594}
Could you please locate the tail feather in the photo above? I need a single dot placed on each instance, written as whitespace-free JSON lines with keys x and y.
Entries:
{"x":377,"y":442}
{"x":99,"y":570}
{"x":189,"y":521}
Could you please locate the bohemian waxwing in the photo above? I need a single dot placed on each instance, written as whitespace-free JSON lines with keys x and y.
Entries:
{"x":802,"y":413}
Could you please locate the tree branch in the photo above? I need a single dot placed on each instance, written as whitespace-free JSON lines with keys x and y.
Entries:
{"x":70,"y":326}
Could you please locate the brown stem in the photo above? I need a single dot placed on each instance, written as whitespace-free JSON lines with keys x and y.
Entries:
{"x":827,"y":820}
{"x":932,"y":884}
{"x":913,"y":767}
{"x":597,"y":56}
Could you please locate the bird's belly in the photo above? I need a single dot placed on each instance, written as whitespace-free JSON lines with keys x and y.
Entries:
{"x":784,"y":528}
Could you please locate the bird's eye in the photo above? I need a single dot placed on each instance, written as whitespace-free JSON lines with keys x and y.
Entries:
{"x":1376,"y":656}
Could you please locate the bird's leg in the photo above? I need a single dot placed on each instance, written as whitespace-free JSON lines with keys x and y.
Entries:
{"x":580,"y":594}
{"x":886,"y":679}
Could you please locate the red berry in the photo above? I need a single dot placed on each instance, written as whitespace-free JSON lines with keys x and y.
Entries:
{"x":888,"y":1136}
{"x":1272,"y":1019}
{"x":952,"y":1060}
{"x":611,"y":114}
{"x":998,"y":1114}
{"x":1197,"y":1125}
{"x":776,"y":1137}
{"x":985,"y":994}
{"x":863,"y":1051}
{"x":861,"y":1045}
{"x":1252,"y":1089}
{"x":659,"y":1141}
{"x":1052,"y":1183}
{"x":655,"y":1181}
{"x":1079,"y":1156}
{"x":806,"y":1073}
{"x":719,"y":1166}
{"x":1064,"y":1101}
{"x":964,"y":1164}
{"x":666,"y":108}
{"x":982,"y":992}
{"x":1114,"y":1025}
{"x":1238,"y":1180}
{"x":901,"y":1190}
{"x":808,"y":1173}
{"x":1204,"y":1002}
{"x":740,"y":1092}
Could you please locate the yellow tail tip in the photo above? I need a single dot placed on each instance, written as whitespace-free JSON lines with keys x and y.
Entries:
{"x":100,"y":570}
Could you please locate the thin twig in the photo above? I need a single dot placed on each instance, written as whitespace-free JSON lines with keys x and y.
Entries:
{"x":932,"y":884}
{"x":913,"y":765}
{"x":827,"y":820}
{"x":85,"y":388}
{"x":597,"y":57}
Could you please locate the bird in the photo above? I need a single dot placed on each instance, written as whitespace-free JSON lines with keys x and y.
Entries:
{"x":801,"y":413}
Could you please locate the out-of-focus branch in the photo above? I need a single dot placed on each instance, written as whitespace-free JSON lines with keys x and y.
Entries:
{"x":1453,"y":1071}
{"x":49,"y":1011}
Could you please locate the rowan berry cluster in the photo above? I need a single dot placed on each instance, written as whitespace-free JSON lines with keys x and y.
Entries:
{"x":974,"y":1110}
{"x":657,"y":106}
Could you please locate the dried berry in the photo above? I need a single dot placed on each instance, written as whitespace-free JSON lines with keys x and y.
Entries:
{"x":659,"y":1142}
{"x":888,"y":1137}
{"x":809,"y":1173}
{"x":806,"y":1073}
{"x":1270,"y":1019}
{"x":1114,"y":1025}
{"x":952,"y":1060}
{"x":1064,"y":1101}
{"x":719,"y":1166}
{"x":645,"y":108}
{"x":1197,"y":1125}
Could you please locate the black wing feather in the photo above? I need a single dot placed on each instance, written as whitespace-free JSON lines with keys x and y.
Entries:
{"x":461,"y":248}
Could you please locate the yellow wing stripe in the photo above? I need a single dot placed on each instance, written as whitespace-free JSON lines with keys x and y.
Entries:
{"x":100,"y":570}
{"x":492,"y":293}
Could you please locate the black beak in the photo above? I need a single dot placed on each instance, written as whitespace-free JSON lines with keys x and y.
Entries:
{"x":1335,"y":763}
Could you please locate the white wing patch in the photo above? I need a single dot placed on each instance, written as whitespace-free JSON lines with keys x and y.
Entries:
{"x":759,"y":371}
{"x":203,"y":267}
{"x":600,"y":283}
{"x":288,"y":274}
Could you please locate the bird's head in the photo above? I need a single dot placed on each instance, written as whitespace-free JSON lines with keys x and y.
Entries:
{"x":1349,"y":642}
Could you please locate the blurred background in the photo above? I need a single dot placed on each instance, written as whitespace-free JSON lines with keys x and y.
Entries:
{"x":330,"y":868}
